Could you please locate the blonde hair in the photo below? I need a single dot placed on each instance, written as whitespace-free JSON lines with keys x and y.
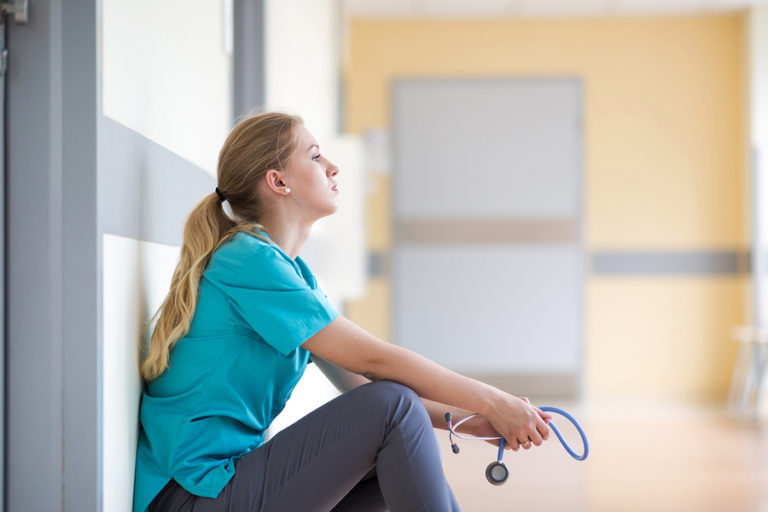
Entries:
{"x":258,"y":143}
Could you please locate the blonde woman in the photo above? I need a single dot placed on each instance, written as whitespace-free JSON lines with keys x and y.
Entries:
{"x":243,"y":318}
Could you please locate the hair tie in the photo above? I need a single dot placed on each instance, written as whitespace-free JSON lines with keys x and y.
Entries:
{"x":222,"y":197}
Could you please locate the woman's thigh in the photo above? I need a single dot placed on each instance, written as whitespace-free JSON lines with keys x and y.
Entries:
{"x":328,"y":455}
{"x":317,"y":461}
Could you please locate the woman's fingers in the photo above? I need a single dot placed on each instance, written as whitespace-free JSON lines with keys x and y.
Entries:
{"x":537,"y":431}
{"x":525,"y":445}
{"x":535,"y":436}
{"x":543,"y":429}
{"x":523,"y":425}
{"x":529,"y":436}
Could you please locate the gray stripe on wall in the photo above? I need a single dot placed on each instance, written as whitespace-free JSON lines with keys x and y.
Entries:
{"x":732,"y":262}
{"x":378,"y":264}
{"x":147,"y":190}
{"x":488,"y":231}
{"x":649,"y":263}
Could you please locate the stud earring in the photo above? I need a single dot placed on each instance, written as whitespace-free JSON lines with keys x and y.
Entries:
{"x":287,"y":190}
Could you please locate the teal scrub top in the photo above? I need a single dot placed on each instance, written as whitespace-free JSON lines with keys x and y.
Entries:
{"x":232,"y":373}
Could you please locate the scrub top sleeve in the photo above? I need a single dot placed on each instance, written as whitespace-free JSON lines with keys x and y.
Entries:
{"x":270,"y":296}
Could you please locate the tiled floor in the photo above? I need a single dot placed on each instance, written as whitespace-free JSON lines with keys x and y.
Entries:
{"x":645,"y":457}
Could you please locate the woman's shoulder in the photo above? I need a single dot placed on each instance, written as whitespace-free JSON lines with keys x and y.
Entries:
{"x":241,"y":251}
{"x":248,"y":243}
{"x":243,"y":246}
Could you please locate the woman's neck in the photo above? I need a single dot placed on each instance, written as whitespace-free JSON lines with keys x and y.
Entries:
{"x":290,"y":237}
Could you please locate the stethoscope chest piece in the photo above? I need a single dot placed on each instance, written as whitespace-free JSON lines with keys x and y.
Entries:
{"x":496,"y":473}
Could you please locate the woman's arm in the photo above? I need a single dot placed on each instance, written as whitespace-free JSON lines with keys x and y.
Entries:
{"x":344,"y":380}
{"x":344,"y":344}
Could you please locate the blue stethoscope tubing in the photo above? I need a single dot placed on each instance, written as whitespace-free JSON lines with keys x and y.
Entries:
{"x":497,"y":471}
{"x":554,"y":428}
{"x":560,"y":436}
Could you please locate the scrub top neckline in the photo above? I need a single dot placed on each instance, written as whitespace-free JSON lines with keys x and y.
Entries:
{"x":299,"y":264}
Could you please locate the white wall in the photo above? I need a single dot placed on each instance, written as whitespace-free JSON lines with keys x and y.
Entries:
{"x":136,"y":277}
{"x":302,"y":61}
{"x":167,"y":76}
{"x":167,"y":71}
{"x":166,"y":81}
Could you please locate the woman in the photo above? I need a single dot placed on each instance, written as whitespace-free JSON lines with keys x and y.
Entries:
{"x":240,"y":323}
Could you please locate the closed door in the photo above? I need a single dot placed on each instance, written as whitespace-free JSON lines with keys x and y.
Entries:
{"x":487,"y":250}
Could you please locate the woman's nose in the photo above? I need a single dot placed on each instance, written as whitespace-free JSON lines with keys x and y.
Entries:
{"x":332,"y":169}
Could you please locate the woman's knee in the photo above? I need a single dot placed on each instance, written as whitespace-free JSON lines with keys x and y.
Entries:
{"x":387,"y":391}
{"x":397,"y":401}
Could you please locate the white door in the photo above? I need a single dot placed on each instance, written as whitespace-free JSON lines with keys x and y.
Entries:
{"x":487,"y":228}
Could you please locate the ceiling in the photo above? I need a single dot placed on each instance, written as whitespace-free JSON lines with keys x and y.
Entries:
{"x":538,"y":8}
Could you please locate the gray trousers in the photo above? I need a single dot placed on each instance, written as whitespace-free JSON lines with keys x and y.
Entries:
{"x":370,"y":449}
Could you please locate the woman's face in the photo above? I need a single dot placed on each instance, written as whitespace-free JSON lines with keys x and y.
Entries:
{"x":310,"y":177}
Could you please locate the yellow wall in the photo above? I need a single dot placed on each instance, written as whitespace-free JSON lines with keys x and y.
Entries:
{"x":664,"y":164}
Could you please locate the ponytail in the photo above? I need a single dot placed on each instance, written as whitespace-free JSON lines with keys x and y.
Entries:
{"x":257,"y":144}
{"x":207,"y":227}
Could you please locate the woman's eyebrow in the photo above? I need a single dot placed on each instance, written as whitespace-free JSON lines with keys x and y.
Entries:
{"x":313,"y":146}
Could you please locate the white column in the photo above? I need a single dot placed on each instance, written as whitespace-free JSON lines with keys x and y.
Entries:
{"x":758,"y":130}
{"x":758,"y":138}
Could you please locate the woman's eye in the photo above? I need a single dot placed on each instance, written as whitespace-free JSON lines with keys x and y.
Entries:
{"x":316,"y":157}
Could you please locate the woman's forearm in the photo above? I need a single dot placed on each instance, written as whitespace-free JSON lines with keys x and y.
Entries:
{"x":348,"y":346}
{"x":344,"y":381}
{"x":437,"y":410}
{"x":434,"y":382}
{"x":344,"y":344}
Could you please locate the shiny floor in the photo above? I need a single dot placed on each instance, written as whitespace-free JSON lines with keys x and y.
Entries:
{"x":644,"y":457}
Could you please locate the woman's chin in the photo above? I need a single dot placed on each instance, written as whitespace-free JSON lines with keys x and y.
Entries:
{"x":329,"y":211}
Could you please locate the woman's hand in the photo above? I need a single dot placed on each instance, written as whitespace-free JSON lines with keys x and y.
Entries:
{"x":479,"y":426}
{"x":519,"y":422}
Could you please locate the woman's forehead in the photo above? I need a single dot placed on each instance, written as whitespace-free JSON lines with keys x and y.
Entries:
{"x":306,"y":139}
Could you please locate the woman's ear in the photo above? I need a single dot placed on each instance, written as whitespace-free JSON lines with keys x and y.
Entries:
{"x":275,"y":181}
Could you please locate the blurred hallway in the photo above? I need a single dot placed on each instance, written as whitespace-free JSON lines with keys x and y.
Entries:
{"x":119,"y":136}
{"x":644,"y":457}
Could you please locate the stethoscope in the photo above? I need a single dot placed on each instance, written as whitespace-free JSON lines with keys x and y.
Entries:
{"x":497,"y":472}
